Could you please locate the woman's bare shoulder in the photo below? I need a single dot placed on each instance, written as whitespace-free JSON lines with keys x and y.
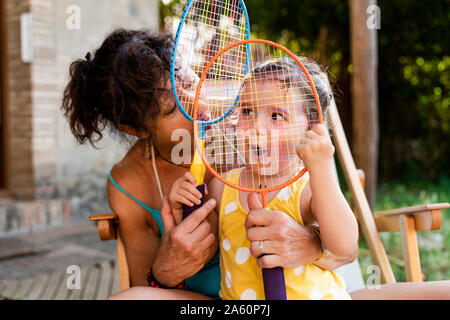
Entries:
{"x":135,"y":222}
{"x":126,"y":175}
{"x":123,"y":176}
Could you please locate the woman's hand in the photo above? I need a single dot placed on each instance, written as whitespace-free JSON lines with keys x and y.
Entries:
{"x":184,"y":248}
{"x":286,"y":243}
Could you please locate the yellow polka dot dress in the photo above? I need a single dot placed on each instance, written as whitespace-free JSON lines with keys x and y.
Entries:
{"x":241,"y":278}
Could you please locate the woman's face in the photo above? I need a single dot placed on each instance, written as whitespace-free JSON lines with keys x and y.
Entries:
{"x":170,"y":118}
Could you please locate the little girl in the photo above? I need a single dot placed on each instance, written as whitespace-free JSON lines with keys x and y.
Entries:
{"x":314,"y":200}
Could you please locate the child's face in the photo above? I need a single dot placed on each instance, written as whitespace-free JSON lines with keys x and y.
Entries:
{"x":271,"y":123}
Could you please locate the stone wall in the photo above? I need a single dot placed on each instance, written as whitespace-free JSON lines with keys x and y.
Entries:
{"x":18,"y":216}
{"x":82,"y":170}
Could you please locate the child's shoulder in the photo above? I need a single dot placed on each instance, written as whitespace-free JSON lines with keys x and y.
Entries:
{"x":215,"y":190}
{"x":215,"y":185}
{"x":305,"y":204}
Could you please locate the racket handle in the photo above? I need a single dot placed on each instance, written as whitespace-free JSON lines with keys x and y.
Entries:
{"x":273,"y":278}
{"x":274,"y":284}
{"x":188,"y":210}
{"x":198,"y":168}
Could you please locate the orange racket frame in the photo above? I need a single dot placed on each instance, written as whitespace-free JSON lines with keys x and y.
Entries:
{"x":264,"y":191}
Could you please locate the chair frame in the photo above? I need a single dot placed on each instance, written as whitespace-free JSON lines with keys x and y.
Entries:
{"x":407,"y":220}
{"x":108,"y":230}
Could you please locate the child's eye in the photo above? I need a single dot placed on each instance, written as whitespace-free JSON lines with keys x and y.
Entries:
{"x":247,"y":112}
{"x":277,"y":116}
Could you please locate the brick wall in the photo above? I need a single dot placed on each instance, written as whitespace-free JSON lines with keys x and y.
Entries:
{"x":45,"y":98}
{"x":53,"y":179}
{"x":18,"y":107}
{"x":31,"y":106}
{"x":83,"y":170}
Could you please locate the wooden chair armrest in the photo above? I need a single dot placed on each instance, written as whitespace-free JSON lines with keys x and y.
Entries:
{"x":415,"y":209}
{"x":105,"y":216}
{"x":426,"y":217}
{"x":107,"y":229}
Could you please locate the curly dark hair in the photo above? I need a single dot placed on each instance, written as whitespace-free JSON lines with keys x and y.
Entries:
{"x":119,"y":85}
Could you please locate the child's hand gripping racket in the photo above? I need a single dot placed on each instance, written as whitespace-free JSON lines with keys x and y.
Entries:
{"x":184,"y":193}
{"x":277,"y":105}
{"x":206,"y":27}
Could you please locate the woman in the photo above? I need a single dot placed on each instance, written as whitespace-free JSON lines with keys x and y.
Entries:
{"x":125,"y":88}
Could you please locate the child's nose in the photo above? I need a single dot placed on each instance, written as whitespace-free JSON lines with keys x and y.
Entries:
{"x":261,"y":124}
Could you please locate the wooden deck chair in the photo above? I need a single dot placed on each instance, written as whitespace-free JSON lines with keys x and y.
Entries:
{"x":407,"y":221}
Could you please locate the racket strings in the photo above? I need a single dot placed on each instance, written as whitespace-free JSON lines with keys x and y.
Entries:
{"x":276,"y":106}
{"x":210,"y":25}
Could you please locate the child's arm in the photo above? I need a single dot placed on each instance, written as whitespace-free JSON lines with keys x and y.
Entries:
{"x":338,"y":226}
{"x":215,"y":191}
{"x":184,"y":192}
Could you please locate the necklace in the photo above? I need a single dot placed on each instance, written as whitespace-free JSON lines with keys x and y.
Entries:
{"x":170,"y":162}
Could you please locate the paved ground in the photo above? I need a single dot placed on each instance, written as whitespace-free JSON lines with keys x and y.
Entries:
{"x":49,"y":253}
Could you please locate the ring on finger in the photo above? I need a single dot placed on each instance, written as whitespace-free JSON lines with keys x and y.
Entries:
{"x":261,"y":247}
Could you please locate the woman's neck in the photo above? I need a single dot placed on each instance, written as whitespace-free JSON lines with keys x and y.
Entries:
{"x":164,"y":153}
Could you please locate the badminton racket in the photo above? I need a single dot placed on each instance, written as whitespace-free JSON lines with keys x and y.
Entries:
{"x":277,"y":104}
{"x":206,"y":27}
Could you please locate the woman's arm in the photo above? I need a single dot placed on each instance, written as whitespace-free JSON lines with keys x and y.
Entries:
{"x":292,"y":244}
{"x":183,"y":250}
{"x":332,"y":262}
{"x":431,"y":290}
{"x":140,"y":240}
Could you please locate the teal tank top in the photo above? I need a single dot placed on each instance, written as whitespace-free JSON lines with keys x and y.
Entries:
{"x":207,"y":280}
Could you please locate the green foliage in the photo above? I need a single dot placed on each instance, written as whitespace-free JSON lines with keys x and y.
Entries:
{"x":414,"y":62}
{"x":414,"y":87}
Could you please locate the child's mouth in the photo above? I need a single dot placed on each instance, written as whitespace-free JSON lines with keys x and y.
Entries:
{"x":258,"y":151}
